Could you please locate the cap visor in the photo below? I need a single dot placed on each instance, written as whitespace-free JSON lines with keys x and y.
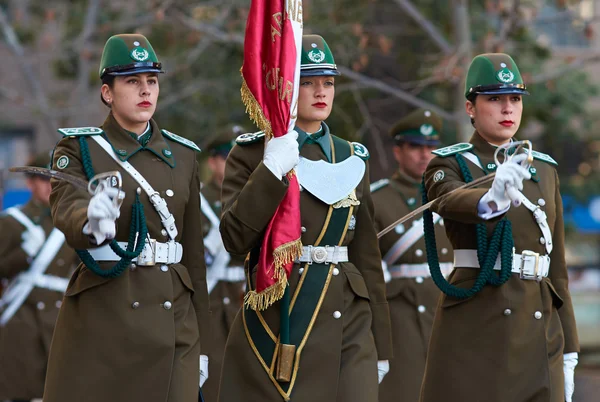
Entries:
{"x":504,"y":92}
{"x":315,"y":73}
{"x":419,"y":141}
{"x":137,"y":71}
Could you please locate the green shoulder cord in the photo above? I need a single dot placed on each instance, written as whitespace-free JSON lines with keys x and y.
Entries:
{"x":137,"y":232}
{"x":487,"y":252}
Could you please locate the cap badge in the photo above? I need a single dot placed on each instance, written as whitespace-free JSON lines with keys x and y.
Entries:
{"x":426,"y":129}
{"x":505,"y":75}
{"x":316,"y":55}
{"x":140,"y":54}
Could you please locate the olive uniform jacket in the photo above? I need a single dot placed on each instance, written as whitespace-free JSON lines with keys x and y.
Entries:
{"x":25,"y":339}
{"x":412,"y":299}
{"x":338,"y":357}
{"x":225,"y":301}
{"x":506,"y":343}
{"x":136,"y":337}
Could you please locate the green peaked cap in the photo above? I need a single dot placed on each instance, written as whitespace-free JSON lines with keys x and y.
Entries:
{"x":494,"y":73}
{"x":421,"y":126}
{"x":222,"y":141}
{"x":316,"y":58}
{"x":127,"y":54}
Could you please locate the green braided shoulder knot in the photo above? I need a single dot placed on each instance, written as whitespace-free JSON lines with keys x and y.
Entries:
{"x":137,"y":232}
{"x":487,"y":252}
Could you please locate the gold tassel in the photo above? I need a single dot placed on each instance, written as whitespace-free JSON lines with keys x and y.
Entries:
{"x":286,"y":253}
{"x":254,"y":110}
{"x":282,"y":255}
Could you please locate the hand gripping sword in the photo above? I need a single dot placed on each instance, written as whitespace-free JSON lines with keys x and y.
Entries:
{"x":513,"y":193}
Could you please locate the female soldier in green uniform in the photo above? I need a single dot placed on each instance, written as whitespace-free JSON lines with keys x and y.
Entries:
{"x":135,"y":314}
{"x":339,"y":318}
{"x":505,"y":330}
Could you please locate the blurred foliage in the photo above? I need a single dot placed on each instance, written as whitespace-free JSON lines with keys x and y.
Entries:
{"x":199,"y":43}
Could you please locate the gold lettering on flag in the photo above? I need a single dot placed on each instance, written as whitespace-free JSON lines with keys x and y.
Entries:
{"x":294,"y":10}
{"x":274,"y":82}
{"x":276,"y":30}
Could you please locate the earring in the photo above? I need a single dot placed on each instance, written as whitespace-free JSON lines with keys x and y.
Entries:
{"x":471,"y":116}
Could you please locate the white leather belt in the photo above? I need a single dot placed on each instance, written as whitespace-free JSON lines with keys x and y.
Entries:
{"x":45,"y":281}
{"x":529,"y":265}
{"x":215,"y":275}
{"x":154,"y":252}
{"x":416,"y":270}
{"x":323,"y":254}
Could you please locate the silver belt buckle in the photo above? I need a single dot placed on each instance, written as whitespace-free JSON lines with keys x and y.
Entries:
{"x":148,"y":254}
{"x":536,"y":268}
{"x":318,"y":255}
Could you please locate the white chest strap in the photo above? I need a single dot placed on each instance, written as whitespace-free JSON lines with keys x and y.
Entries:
{"x":160,"y":205}
{"x":22,"y":288}
{"x":538,"y":214}
{"x":21,"y":218}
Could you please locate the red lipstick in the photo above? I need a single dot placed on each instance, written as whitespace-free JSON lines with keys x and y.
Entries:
{"x":320,"y":105}
{"x":145,"y":104}
{"x":507,"y":123}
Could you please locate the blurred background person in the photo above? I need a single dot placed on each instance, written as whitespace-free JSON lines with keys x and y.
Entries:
{"x":37,"y":263}
{"x":410,"y":291}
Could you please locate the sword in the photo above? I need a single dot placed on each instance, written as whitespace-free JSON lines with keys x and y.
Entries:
{"x":474,"y":183}
{"x":51,"y":173}
{"x":514,"y":194}
{"x":97,"y":184}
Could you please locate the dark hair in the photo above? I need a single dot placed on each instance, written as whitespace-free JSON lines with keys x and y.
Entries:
{"x":472,"y":98}
{"x":110,"y":81}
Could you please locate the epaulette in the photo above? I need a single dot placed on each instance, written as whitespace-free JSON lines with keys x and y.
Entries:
{"x":250,"y":138}
{"x":452,"y":149}
{"x":379,"y":184}
{"x":360,"y":150}
{"x":80,"y":131}
{"x":181,"y":140}
{"x":544,"y":157}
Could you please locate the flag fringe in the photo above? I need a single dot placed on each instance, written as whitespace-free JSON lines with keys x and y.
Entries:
{"x":254,"y":110}
{"x":284,"y":254}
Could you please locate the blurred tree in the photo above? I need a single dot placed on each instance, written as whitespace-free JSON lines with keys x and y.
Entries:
{"x":394,"y":55}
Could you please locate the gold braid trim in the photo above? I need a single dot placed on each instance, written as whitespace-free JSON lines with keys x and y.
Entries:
{"x":282,"y":255}
{"x":254,"y":110}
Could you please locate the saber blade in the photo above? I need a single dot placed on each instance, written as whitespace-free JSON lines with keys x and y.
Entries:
{"x":474,"y":183}
{"x":50,"y":173}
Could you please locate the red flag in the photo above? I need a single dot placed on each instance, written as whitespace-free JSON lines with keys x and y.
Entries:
{"x":271,"y":73}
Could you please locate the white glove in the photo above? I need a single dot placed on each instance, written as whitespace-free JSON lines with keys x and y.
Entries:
{"x":282,"y":154}
{"x":102,"y":213}
{"x":33,"y":240}
{"x":383,"y":366}
{"x":569,"y":363}
{"x":509,"y":174}
{"x":387,"y":277}
{"x":203,"y":369}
